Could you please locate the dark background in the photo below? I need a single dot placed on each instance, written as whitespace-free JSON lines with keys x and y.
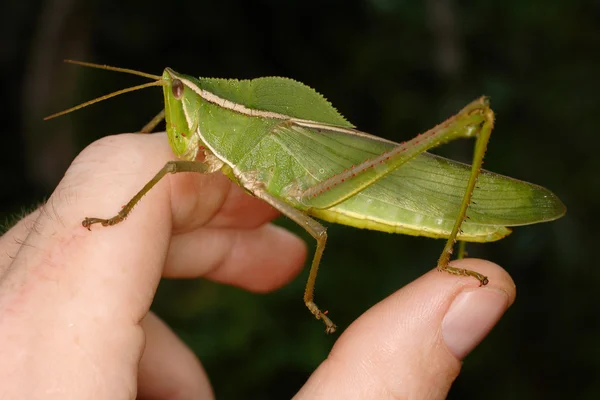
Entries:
{"x":394,"y":68}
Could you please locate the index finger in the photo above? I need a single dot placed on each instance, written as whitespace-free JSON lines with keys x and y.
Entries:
{"x":72,"y":298}
{"x":123,"y":264}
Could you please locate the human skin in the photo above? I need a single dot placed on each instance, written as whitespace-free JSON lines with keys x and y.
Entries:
{"x":74,"y":305}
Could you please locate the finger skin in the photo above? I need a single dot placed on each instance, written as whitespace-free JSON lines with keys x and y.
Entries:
{"x":240,"y":257}
{"x":168,"y":368}
{"x":11,"y":241}
{"x":74,"y":298}
{"x":397,"y":350}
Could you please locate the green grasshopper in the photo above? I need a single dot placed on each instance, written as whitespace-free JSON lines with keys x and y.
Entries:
{"x":286,"y":144}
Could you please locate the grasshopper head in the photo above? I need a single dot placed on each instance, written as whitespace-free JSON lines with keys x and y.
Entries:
{"x":181,"y":106}
{"x":181,"y":115}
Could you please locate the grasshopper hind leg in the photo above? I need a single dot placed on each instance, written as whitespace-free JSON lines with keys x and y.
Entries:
{"x":483,"y":280}
{"x":483,"y":136}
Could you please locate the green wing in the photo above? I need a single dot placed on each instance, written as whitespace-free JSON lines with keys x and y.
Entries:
{"x":280,"y":95}
{"x":422,"y":197}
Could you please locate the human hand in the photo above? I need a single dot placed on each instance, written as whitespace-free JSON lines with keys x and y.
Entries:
{"x":74,"y":306}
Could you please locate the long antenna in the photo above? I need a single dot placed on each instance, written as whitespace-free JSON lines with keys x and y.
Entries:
{"x":116,"y":69}
{"x":108,"y":96}
{"x":158,"y":81}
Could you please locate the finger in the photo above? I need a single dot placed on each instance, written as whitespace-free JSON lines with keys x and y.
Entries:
{"x":410,"y":344}
{"x":212,"y":200}
{"x":74,"y":298}
{"x":81,"y":294}
{"x":168,"y":368}
{"x":98,"y":183}
{"x":11,"y":241}
{"x":121,"y":265}
{"x":260,"y":259}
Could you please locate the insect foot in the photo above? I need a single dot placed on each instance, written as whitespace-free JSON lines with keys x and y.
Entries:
{"x":330,"y":327}
{"x":483,"y":280}
{"x":87,"y":222}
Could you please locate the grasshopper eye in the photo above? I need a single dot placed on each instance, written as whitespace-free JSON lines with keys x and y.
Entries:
{"x":177,"y":88}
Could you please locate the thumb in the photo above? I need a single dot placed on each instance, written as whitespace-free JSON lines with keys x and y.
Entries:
{"x":410,"y":345}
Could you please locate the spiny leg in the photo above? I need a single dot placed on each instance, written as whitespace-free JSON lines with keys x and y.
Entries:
{"x":483,"y":137}
{"x":317,"y":231}
{"x":474,"y":120}
{"x":171,"y":167}
{"x":346,"y":184}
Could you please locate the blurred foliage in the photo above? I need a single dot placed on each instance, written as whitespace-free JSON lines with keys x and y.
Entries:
{"x":394,"y":68}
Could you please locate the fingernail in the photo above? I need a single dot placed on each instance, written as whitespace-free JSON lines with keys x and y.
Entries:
{"x":470,"y":317}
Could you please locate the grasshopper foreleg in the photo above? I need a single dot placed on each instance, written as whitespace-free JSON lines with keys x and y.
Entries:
{"x":171,"y":167}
